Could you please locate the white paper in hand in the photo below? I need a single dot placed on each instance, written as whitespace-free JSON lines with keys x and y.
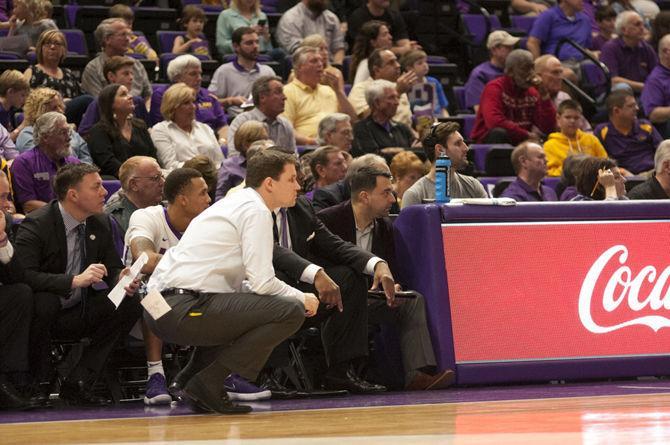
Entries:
{"x":119,"y":293}
{"x":155,"y":304}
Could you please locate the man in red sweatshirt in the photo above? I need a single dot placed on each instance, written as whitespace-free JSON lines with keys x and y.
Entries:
{"x":511,"y":109}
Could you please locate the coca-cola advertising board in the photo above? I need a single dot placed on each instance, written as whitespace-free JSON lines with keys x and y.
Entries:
{"x":545,"y":291}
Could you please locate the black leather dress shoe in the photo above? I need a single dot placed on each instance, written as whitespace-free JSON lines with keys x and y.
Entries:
{"x":212,"y":401}
{"x":351,"y":382}
{"x":79,"y":393}
{"x":10,"y":399}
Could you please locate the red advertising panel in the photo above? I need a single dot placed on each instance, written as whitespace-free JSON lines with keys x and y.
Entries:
{"x":541,"y":291}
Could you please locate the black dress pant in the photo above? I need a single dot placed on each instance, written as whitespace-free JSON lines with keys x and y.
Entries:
{"x":16,"y":312}
{"x":100,"y":321}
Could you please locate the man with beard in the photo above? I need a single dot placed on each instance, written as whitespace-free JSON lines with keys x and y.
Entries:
{"x":311,"y":17}
{"x":33,"y":170}
{"x":232,"y":81}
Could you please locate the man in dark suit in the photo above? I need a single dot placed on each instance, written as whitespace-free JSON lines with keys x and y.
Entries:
{"x":16,"y":311}
{"x":67,"y":251}
{"x":364,"y":221}
{"x":311,"y":258}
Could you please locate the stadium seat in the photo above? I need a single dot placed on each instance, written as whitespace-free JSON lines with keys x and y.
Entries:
{"x":76,"y":41}
{"x":522,"y":22}
{"x":459,"y":95}
{"x":479,"y":27}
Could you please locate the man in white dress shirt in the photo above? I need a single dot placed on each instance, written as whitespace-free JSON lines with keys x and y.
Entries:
{"x":221,"y":286}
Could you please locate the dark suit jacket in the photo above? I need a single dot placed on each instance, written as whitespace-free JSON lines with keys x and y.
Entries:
{"x":330,"y":195}
{"x":11,"y":272}
{"x":42,"y":250}
{"x":339,"y":219}
{"x":313,"y":243}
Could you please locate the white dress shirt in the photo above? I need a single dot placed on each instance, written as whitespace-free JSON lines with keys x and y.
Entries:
{"x":226,"y":249}
{"x":174,"y":146}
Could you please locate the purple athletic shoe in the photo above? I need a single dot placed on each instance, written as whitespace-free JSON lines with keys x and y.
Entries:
{"x":157,"y":393}
{"x":239,"y":389}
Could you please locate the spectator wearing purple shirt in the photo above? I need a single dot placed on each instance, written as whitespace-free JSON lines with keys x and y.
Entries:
{"x":33,"y":170}
{"x":656,"y":93}
{"x":500,"y":44}
{"x":188,"y":69}
{"x":530,"y":165}
{"x":629,"y":58}
{"x":7,"y":147}
{"x":631,"y":142}
{"x":556,"y":23}
{"x":605,"y":17}
{"x":116,"y":69}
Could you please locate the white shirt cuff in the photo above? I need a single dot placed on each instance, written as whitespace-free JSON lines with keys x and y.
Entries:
{"x":370,"y":267}
{"x":6,"y":253}
{"x":309,"y":273}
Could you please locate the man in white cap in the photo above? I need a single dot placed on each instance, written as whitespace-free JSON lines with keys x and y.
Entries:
{"x":500,"y":44}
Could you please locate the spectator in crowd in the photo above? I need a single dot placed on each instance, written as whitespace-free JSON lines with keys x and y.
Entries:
{"x":377,"y":132}
{"x":500,"y":44}
{"x":566,"y":19}
{"x":308,"y":100}
{"x":373,"y":35}
{"x":660,"y":27}
{"x":33,"y":171}
{"x":605,"y":18}
{"x":383,"y":64}
{"x":267,"y":93}
{"x":255,"y":147}
{"x":113,"y":35}
{"x":13,"y":92}
{"x":232,"y":81}
{"x":627,"y":139}
{"x":51,"y":50}
{"x":328,"y":166}
{"x":8,"y":149}
{"x":311,"y":17}
{"x":444,"y":139}
{"x":193,"y":20}
{"x":569,"y":140}
{"x":234,"y":168}
{"x":16,"y":312}
{"x":512,"y":110}
{"x":138,"y":43}
{"x":142,"y":184}
{"x":566,"y":188}
{"x":339,"y":192}
{"x":656,"y":94}
{"x":180,"y":137}
{"x":406,"y":168}
{"x":117,"y":69}
{"x":531,"y":8}
{"x":629,"y":57}
{"x":364,"y":221}
{"x":30,"y":20}
{"x":210,"y":263}
{"x":67,"y":251}
{"x":380,"y":10}
{"x":530,"y":166}
{"x":206,"y":168}
{"x":242,"y":13}
{"x":40,"y":101}
{"x":427,"y":91}
{"x":658,"y":184}
{"x":118,"y":135}
{"x":153,"y":230}
{"x":335,"y":129}
{"x":188,"y":69}
{"x":599,"y":180}
{"x":319,"y":42}
{"x":647,"y":9}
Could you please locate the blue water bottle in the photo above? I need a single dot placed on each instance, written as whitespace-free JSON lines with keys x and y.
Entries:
{"x":442,"y":186}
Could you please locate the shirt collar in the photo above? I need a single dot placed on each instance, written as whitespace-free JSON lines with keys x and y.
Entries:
{"x":69,"y":221}
{"x":241,"y":69}
{"x":304,"y":86}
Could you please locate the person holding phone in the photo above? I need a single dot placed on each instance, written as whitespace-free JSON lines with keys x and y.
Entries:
{"x":242,"y":13}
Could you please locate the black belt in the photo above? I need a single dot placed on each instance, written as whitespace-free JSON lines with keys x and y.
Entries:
{"x":180,"y":291}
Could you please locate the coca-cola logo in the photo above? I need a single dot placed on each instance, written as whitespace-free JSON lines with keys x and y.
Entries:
{"x":623,"y":286}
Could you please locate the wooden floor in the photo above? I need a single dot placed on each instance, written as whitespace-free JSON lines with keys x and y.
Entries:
{"x":634,"y":419}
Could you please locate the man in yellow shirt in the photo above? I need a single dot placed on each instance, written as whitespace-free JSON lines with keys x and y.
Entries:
{"x":312,"y":95}
{"x":570,"y":139}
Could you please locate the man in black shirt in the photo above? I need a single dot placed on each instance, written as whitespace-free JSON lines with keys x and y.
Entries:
{"x":658,"y":186}
{"x":379,"y":10}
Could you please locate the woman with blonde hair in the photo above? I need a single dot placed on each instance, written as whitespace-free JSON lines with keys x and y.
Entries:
{"x":180,"y":137}
{"x":51,"y":50}
{"x":242,"y":13}
{"x":406,"y":168}
{"x":30,"y":19}
{"x":40,"y":101}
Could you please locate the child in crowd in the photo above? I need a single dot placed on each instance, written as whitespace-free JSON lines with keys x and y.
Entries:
{"x":138,"y":43}
{"x":14,"y":89}
{"x":570,"y":139}
{"x":193,"y":20}
{"x":605,"y":18}
{"x":426,"y":97}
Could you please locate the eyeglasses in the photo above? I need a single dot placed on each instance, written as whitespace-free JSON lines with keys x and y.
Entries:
{"x":56,"y":44}
{"x":154,"y":178}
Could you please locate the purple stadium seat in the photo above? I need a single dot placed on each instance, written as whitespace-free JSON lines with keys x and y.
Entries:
{"x":269,"y":5}
{"x":459,"y":94}
{"x":481,"y":151}
{"x":76,"y":41}
{"x":477,"y":26}
{"x":436,"y":60}
{"x":347,"y":88}
{"x":346,"y":65}
{"x":111,"y":185}
{"x":522,"y":22}
{"x":468,"y":122}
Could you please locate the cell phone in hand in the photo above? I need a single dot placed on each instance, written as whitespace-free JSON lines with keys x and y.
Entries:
{"x":380,"y":295}
{"x":262,"y":22}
